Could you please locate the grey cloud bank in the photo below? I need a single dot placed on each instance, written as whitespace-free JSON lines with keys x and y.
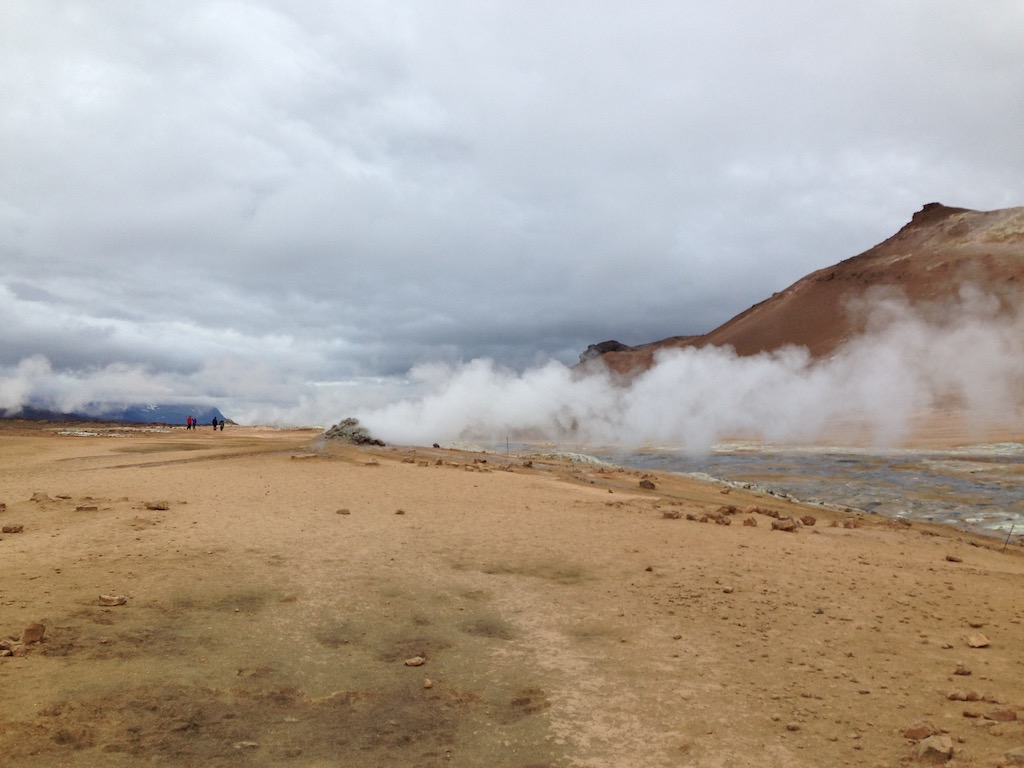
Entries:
{"x":284,"y":208}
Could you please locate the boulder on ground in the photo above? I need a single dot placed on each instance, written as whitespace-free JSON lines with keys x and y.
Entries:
{"x":351,"y":431}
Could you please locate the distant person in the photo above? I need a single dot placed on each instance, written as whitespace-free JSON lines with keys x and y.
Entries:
{"x":214,"y":422}
{"x":222,"y":425}
{"x":188,"y":423}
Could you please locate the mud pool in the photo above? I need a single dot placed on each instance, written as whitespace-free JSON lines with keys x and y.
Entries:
{"x":979,"y":488}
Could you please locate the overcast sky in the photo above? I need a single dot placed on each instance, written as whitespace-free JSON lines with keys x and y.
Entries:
{"x":282,"y":207}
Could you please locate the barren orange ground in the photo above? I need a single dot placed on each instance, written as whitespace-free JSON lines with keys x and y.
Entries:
{"x":303,"y":604}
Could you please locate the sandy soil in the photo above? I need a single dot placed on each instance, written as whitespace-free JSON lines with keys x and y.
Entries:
{"x":308,"y":604}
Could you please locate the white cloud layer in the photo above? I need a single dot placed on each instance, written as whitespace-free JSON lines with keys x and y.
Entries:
{"x":230,"y":201}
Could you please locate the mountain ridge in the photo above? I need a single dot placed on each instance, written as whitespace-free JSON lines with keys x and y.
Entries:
{"x":928,"y":262}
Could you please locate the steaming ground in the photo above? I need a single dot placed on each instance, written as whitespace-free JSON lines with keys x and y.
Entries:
{"x":971,"y":360}
{"x":968,"y":357}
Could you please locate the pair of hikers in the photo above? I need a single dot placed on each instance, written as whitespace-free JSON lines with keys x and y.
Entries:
{"x":191,"y":423}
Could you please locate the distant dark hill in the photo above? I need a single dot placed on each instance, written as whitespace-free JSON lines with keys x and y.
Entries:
{"x":928,"y":261}
{"x":129,"y":414}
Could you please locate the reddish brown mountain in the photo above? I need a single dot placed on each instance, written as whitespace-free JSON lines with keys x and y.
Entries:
{"x":929,"y":261}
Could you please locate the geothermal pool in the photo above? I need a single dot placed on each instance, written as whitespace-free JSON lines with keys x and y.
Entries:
{"x":979,"y":488}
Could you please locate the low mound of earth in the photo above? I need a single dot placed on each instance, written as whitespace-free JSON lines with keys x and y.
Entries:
{"x":270,"y":598}
{"x":928,"y":262}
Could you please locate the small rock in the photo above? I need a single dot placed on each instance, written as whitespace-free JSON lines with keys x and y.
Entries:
{"x":787,"y":524}
{"x":86,"y":508}
{"x":645,"y":483}
{"x":961,"y":670}
{"x":938,"y":748}
{"x":1002,"y":715}
{"x":33,"y":633}
{"x":39,"y":496}
{"x":415,"y":661}
{"x":1015,"y":756}
{"x":808,"y":520}
{"x":954,"y":559}
{"x":344,"y":511}
{"x":245,"y":745}
{"x":670,"y":514}
{"x":109,"y":600}
{"x":12,"y":529}
{"x":428,"y":683}
{"x":922,"y":729}
{"x":399,"y":511}
{"x":792,"y":726}
{"x":157,"y":505}
{"x":750,"y":522}
{"x":977,"y":640}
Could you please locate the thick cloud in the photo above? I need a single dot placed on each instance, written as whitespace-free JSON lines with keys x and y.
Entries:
{"x":327,"y":194}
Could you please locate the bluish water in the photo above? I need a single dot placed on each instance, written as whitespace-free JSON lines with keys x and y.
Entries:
{"x":979,"y":488}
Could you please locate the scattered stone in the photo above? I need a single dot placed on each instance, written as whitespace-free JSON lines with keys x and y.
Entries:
{"x":670,"y":514}
{"x":87,"y":508}
{"x":12,"y":529}
{"x":1015,"y":756}
{"x":851,"y":524}
{"x":787,"y":524}
{"x":938,"y":749}
{"x":1002,"y":715}
{"x":723,"y":520}
{"x":973,"y":713}
{"x":344,"y":511}
{"x":922,"y":729}
{"x":415,"y":661}
{"x":645,"y":483}
{"x":111,"y":600}
{"x":728,"y":590}
{"x":158,"y":505}
{"x":977,"y":640}
{"x":792,"y":726}
{"x":3,"y":506}
{"x":399,"y":511}
{"x":39,"y":496}
{"x":808,"y":520}
{"x":975,"y":624}
{"x":961,"y":670}
{"x":428,"y":683}
{"x":725,"y":490}
{"x":245,"y":745}
{"x":954,"y":559}
{"x":959,"y":695}
{"x":750,"y":522}
{"x":33,"y":633}
{"x":726,"y":509}
{"x":351,"y":431}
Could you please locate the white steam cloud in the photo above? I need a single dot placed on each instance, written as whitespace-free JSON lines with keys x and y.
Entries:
{"x":969,"y":357}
